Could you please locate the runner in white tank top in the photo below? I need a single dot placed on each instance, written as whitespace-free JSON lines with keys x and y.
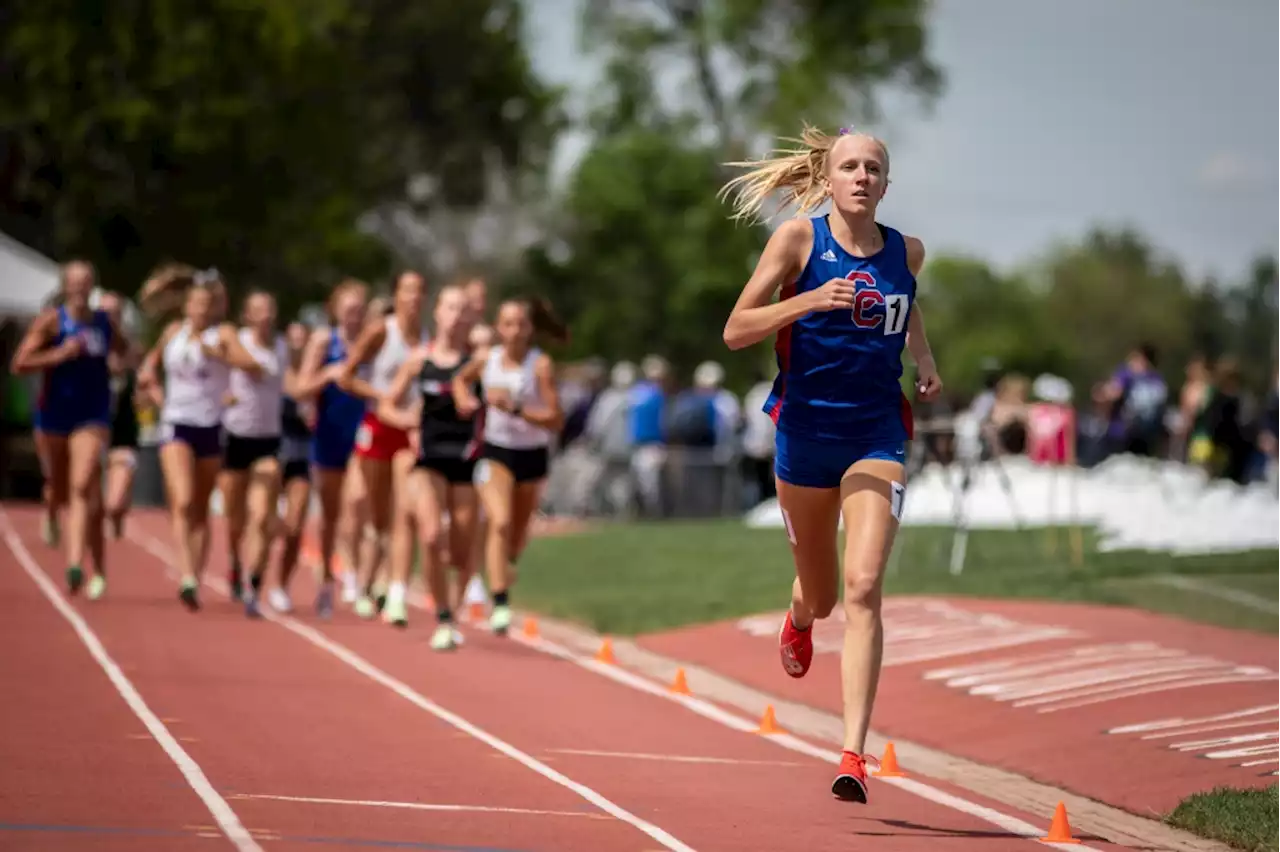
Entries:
{"x":522,"y":415}
{"x":384,"y":452}
{"x":250,"y":482}
{"x":196,"y":354}
{"x":195,"y":382}
{"x":256,"y":406}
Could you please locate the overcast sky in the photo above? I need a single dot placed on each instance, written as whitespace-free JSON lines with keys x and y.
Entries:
{"x":1162,"y":114}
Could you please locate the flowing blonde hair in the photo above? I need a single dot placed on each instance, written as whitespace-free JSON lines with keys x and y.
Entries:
{"x":799,"y":172}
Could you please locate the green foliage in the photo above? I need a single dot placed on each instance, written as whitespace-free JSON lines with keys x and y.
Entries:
{"x":665,"y":575}
{"x":252,"y":135}
{"x":791,"y":61}
{"x":650,"y":261}
{"x":1244,"y":819}
{"x":1078,"y":311}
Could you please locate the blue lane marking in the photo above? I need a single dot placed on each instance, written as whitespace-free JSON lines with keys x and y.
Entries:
{"x":94,"y":829}
{"x":355,"y":842}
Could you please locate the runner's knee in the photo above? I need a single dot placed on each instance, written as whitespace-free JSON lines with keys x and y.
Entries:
{"x":861,"y":591}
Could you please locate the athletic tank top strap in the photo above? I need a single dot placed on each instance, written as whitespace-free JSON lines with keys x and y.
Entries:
{"x":501,"y":428}
{"x":444,"y":433}
{"x":257,"y":406}
{"x":394,"y":352}
{"x":194,"y":383}
{"x":839,"y":371}
{"x":78,"y":390}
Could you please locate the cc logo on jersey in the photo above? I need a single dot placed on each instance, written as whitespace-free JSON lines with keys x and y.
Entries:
{"x":95,"y":345}
{"x":873,"y":309}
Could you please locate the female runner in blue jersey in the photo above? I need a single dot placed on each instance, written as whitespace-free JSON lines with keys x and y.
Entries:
{"x":69,"y":343}
{"x":337,"y":419}
{"x":844,"y":314}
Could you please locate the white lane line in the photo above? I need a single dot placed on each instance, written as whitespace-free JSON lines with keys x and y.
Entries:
{"x":1235,"y":596}
{"x":222,"y":813}
{"x":672,"y":758}
{"x":1011,"y":824}
{"x":355,"y":661}
{"x":415,"y":806}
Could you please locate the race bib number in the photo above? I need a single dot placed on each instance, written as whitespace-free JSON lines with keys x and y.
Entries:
{"x":95,"y":346}
{"x":897,"y":496}
{"x":481,"y":475}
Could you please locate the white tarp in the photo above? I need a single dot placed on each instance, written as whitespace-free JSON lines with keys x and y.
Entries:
{"x":27,"y":278}
{"x":1135,"y":503}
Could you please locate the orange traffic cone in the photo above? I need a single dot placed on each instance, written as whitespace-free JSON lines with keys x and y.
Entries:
{"x":769,"y":723}
{"x":531,"y":628}
{"x":605,"y":654}
{"x":680,"y":686}
{"x":1060,"y":828}
{"x":889,"y":767}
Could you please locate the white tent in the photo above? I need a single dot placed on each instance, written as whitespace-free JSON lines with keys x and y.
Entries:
{"x":27,"y":279}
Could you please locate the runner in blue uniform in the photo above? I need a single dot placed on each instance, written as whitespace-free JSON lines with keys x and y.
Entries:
{"x":69,"y":343}
{"x":337,"y":418}
{"x":845,"y":312}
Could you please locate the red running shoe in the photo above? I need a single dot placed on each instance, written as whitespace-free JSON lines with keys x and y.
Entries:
{"x":851,"y":782}
{"x":796,"y":647}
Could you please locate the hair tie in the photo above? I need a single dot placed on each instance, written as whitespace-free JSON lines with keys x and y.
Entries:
{"x":845,"y":131}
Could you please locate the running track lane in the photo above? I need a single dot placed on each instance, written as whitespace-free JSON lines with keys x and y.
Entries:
{"x":67,"y":741}
{"x":728,"y":791}
{"x":264,"y":714}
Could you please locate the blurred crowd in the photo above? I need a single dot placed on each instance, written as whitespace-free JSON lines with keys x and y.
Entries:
{"x":640,"y":441}
{"x":1210,"y":420}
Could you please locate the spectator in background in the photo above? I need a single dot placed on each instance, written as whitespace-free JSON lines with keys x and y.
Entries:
{"x":1006,"y":427}
{"x":579,"y":390}
{"x":608,"y":426}
{"x":608,"y":433}
{"x":704,"y":418}
{"x":1191,"y":441}
{"x":1224,"y":425}
{"x":1136,"y":394}
{"x":980,"y":407}
{"x":646,"y":405}
{"x":758,"y":443}
{"x":1268,"y":428}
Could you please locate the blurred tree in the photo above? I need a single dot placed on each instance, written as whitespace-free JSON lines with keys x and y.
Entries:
{"x":762,"y":67}
{"x":252,"y":136}
{"x":644,"y":258}
{"x":1110,"y":293}
{"x":1253,"y":310}
{"x":975,"y":314}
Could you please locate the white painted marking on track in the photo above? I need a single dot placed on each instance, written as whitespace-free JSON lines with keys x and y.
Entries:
{"x":1167,"y":724}
{"x":671,"y":758}
{"x":364,"y":667}
{"x":417,"y":806}
{"x":1235,"y":596}
{"x":222,"y":813}
{"x":1013,"y":825}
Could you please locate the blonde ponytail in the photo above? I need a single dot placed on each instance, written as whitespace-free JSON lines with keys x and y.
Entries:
{"x":800,"y":173}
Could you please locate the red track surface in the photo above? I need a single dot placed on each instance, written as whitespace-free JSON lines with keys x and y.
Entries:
{"x":1065,"y":731}
{"x":266,"y":713}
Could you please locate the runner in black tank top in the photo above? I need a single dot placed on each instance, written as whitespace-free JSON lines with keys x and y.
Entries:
{"x":440,"y":483}
{"x":448,"y":442}
{"x":122,"y":448}
{"x":295,"y":463}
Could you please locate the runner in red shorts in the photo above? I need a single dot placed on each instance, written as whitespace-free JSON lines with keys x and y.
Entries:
{"x":383,"y":451}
